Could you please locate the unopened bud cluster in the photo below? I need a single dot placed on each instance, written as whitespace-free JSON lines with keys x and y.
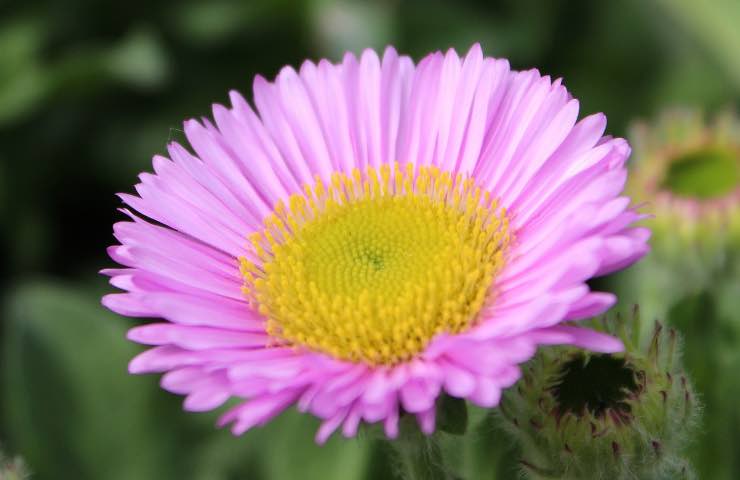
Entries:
{"x":592,"y":416}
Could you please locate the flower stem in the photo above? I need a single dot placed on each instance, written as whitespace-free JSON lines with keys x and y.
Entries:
{"x":418,"y":456}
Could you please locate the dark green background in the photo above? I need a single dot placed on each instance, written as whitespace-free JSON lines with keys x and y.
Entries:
{"x":90,"y":90}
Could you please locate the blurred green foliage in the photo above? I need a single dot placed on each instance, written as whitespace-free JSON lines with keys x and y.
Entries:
{"x":715,"y":451}
{"x":89,"y":91}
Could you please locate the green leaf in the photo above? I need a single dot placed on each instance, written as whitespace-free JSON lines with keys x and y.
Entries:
{"x":715,"y":25}
{"x":24,"y":83}
{"x":284,"y":449}
{"x":71,"y":409}
{"x":293,"y":453}
{"x":140,"y":59}
{"x":710,"y":356}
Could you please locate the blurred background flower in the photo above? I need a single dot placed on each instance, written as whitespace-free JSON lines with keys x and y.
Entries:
{"x":12,"y":468}
{"x":89,"y":91}
{"x":687,"y":168}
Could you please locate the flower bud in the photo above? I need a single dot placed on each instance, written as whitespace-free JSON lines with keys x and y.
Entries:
{"x":687,"y":173}
{"x":578,"y":415}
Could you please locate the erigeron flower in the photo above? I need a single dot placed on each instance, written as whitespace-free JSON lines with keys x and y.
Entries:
{"x":373,"y":235}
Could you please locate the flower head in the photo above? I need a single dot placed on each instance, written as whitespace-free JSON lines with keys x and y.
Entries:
{"x":584,"y":416}
{"x":688,"y":172}
{"x":375,"y":234}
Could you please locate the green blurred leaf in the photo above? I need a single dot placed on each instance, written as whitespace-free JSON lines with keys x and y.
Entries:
{"x":293,"y":453}
{"x":3,"y":191}
{"x":22,"y":93}
{"x":23,"y":81}
{"x":21,"y":39}
{"x":74,"y":412}
{"x":341,"y":26}
{"x":711,"y":359}
{"x":71,"y":409}
{"x":715,"y":24}
{"x":284,"y":449}
{"x":139,"y":59}
{"x":213,"y":21}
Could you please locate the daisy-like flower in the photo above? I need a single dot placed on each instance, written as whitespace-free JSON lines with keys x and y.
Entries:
{"x":374,"y":234}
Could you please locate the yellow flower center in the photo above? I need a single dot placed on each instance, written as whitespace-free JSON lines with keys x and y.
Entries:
{"x":371,"y":267}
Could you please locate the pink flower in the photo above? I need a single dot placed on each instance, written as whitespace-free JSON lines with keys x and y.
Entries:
{"x":373,"y":235}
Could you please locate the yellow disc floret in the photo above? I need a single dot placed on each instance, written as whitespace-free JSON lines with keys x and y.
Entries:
{"x":372,"y":266}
